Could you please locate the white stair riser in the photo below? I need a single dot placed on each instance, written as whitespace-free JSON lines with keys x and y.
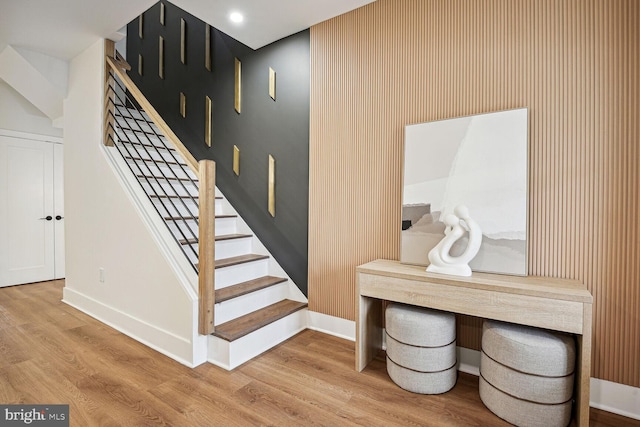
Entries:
{"x":226,"y":225}
{"x":183,"y":229}
{"x":163,"y":187}
{"x":192,"y":252}
{"x":234,"y":274}
{"x":176,"y":207}
{"x":230,"y":248}
{"x":245,"y":304}
{"x":223,"y":226}
{"x":233,"y":247}
{"x":230,"y":355}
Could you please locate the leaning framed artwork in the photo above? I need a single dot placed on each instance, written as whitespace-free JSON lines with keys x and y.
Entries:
{"x":478,"y":161}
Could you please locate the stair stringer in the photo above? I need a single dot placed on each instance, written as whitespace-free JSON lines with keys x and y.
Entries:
{"x":186,"y":275}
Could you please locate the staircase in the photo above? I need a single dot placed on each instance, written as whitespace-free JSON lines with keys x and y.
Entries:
{"x":256,"y":304}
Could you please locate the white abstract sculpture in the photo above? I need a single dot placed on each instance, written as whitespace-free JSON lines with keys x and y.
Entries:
{"x":457,"y":223}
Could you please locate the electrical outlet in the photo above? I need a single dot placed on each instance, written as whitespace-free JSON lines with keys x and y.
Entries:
{"x":101,"y":274}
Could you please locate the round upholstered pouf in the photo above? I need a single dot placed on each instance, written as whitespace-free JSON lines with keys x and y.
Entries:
{"x":526,"y":374}
{"x":421,"y":348}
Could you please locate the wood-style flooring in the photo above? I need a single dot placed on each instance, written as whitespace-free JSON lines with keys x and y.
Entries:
{"x":52,"y":353}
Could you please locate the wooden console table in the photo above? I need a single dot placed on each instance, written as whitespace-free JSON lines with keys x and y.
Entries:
{"x":556,"y":304}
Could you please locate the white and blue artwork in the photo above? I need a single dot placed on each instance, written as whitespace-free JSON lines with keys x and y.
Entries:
{"x":478,"y":161}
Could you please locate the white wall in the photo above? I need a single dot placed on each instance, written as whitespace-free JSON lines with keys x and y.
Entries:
{"x":18,"y":114}
{"x":141,"y":294}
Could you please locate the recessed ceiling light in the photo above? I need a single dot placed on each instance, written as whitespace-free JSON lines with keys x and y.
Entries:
{"x":236,"y":17}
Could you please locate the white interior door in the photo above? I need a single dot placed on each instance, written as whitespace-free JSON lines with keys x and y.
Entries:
{"x":58,"y":208}
{"x":27,"y":214}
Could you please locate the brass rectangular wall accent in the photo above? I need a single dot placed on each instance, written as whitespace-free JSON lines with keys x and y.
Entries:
{"x":183,"y":41}
{"x":207,"y":121}
{"x":183,"y":105}
{"x":140,"y":64}
{"x":574,"y":64}
{"x":237,"y":99}
{"x":272,"y":83}
{"x":161,"y":13}
{"x":236,"y":160}
{"x":272,"y":186}
{"x":161,"y":57}
{"x":207,"y":47}
{"x":140,"y":22}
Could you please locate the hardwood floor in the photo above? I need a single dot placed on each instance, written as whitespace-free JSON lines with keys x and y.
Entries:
{"x":52,"y":353}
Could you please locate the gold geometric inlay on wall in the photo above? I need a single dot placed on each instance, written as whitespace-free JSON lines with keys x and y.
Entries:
{"x":161,"y":13}
{"x":140,"y":21}
{"x":207,"y":47}
{"x":272,"y":186}
{"x":236,"y":160}
{"x":140,"y":64}
{"x":237,"y":99}
{"x":161,"y":57}
{"x":183,"y":41}
{"x":207,"y":121}
{"x":183,"y":105}
{"x":272,"y":83}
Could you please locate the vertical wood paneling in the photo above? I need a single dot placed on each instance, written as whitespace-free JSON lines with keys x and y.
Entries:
{"x":573,"y":63}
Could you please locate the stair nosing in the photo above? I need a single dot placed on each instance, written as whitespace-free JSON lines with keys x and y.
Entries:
{"x":231,"y":236}
{"x":192,"y":218}
{"x":219,"y":238}
{"x":247,"y":287}
{"x":227,"y":336}
{"x":238,"y":260}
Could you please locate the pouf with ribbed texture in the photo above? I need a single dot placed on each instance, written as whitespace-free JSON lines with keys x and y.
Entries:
{"x":526,"y":374}
{"x":421,"y":348}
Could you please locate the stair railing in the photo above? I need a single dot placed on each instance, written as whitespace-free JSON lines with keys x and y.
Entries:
{"x":124,"y":101}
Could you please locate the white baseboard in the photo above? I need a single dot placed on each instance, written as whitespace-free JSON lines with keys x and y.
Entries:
{"x":614,"y":397}
{"x":171,"y":345}
{"x":336,"y":326}
{"x":605,"y":395}
{"x":468,"y":361}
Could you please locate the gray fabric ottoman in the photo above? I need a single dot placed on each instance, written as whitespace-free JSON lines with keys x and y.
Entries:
{"x":421,"y":348}
{"x":526,"y":374}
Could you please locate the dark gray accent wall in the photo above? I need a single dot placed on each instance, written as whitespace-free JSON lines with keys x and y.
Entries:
{"x":264,"y":127}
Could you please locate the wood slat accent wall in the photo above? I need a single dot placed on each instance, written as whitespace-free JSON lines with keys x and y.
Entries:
{"x":575,"y":65}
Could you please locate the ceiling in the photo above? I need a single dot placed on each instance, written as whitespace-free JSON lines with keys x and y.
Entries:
{"x":64,"y":28}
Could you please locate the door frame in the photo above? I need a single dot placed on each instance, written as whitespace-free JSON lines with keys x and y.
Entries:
{"x":58,"y":202}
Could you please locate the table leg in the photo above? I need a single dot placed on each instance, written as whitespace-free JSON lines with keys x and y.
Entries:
{"x":368,"y":330}
{"x":583,"y":381}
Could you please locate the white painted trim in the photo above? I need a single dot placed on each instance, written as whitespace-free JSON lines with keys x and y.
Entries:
{"x":468,"y":361}
{"x":331,"y":325}
{"x":613,"y":397}
{"x":163,"y":341}
{"x":32,"y":136}
{"x":230,"y":355}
